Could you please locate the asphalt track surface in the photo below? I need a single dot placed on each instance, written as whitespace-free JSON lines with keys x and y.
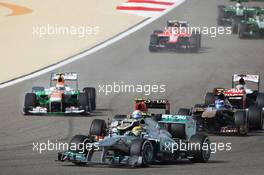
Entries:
{"x":187,"y":78}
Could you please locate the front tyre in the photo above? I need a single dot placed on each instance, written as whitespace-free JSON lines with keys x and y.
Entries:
{"x":142,"y":148}
{"x":199,"y":150}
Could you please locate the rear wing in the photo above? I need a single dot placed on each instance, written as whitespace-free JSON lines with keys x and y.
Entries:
{"x":68,"y":76}
{"x":153,"y":104}
{"x":247,"y":77}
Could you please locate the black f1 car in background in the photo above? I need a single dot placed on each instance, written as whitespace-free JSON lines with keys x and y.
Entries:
{"x":176,"y":37}
{"x":63,"y":97}
{"x":242,"y":108}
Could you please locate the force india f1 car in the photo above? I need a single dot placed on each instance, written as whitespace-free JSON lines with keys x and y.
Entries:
{"x":175,"y":37}
{"x":252,"y":27}
{"x":243,"y":112}
{"x":233,"y":15}
{"x":139,"y":142}
{"x":60,"y":98}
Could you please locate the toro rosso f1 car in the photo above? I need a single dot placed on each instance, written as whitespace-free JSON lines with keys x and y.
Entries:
{"x":60,"y":98}
{"x":231,"y":111}
{"x":175,"y":37}
{"x":139,"y":142}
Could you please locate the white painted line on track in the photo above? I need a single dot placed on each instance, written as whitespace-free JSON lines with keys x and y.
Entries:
{"x":90,"y":51}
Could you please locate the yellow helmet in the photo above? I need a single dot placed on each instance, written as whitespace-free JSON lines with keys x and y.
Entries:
{"x":137,"y":130}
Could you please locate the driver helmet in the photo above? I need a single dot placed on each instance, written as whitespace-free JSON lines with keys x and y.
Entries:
{"x":219,"y":104}
{"x":221,"y":96}
{"x":60,"y":82}
{"x":137,"y":130}
{"x":238,"y":5}
{"x":137,"y":114}
{"x":241,"y":84}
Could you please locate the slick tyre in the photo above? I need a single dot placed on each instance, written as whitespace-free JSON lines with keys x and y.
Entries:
{"x":98,"y":128}
{"x":202,"y":153}
{"x":91,"y":96}
{"x":255,"y":117}
{"x":30,"y":101}
{"x":143,"y":148}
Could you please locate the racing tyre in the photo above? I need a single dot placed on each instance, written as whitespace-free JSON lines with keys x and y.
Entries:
{"x":209,"y":98}
{"x":260,"y":100}
{"x":235,"y":25}
{"x":154,"y":40}
{"x":242,"y":29}
{"x":195,"y":43}
{"x":240,"y":118}
{"x":184,"y":111}
{"x":177,"y":130}
{"x":221,"y":15}
{"x":30,"y":101}
{"x":255,"y":117}
{"x":202,"y":153}
{"x":83,"y":102}
{"x":98,"y":128}
{"x":143,"y":148}
{"x":91,"y":96}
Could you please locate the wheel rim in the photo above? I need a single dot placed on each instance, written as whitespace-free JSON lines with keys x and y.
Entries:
{"x":147,"y":152}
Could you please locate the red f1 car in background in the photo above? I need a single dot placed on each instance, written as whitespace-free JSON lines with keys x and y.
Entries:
{"x":175,"y":37}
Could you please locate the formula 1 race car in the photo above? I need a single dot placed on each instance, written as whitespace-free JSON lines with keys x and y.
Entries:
{"x":139,"y":142}
{"x":176,"y":37}
{"x":233,"y":15}
{"x":60,"y":98}
{"x":252,"y":27}
{"x":243,"y":112}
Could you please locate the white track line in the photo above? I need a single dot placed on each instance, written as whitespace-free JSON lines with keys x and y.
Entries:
{"x":90,"y":51}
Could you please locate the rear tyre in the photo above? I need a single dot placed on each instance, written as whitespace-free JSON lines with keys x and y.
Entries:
{"x":235,"y":25}
{"x":255,"y":117}
{"x":242,"y":29}
{"x":177,"y":130}
{"x":30,"y":102}
{"x":202,"y":153}
{"x":83,"y":102}
{"x":260,"y":100}
{"x":240,"y":118}
{"x":184,"y":111}
{"x":91,"y":96}
{"x":221,"y":15}
{"x":209,"y":98}
{"x":154,"y":40}
{"x":143,"y":148}
{"x":98,"y":128}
